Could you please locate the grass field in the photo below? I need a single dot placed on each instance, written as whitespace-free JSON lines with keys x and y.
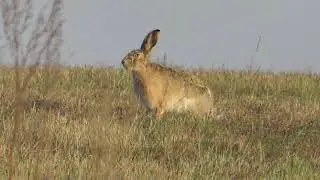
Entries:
{"x":85,"y":123}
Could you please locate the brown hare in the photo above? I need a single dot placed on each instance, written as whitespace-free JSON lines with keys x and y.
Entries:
{"x":162,"y":88}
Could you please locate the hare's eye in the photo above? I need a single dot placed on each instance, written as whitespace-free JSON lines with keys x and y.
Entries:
{"x":136,"y":55}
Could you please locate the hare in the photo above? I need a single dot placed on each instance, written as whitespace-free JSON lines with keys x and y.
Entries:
{"x":163,"y":88}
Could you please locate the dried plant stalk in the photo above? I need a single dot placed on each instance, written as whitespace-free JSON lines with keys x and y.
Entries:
{"x":42,"y":48}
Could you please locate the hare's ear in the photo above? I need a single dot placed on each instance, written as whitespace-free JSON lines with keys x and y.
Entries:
{"x":149,"y":42}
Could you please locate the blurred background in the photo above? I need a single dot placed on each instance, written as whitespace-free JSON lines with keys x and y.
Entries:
{"x":196,"y":33}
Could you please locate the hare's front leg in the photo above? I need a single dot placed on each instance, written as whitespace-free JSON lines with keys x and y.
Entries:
{"x":160,"y":113}
{"x":160,"y":109}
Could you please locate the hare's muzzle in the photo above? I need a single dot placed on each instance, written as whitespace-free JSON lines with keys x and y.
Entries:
{"x":124,"y":64}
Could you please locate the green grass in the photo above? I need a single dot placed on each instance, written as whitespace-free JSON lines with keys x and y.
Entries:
{"x":85,"y":123}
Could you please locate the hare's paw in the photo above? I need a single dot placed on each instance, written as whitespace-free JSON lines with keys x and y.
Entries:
{"x":160,"y":114}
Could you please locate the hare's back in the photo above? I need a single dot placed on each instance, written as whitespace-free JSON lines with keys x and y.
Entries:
{"x":173,"y":73}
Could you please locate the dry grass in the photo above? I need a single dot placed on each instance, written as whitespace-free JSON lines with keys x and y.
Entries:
{"x":84,"y":123}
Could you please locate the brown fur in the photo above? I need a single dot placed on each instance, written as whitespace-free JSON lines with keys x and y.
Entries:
{"x":163,"y":88}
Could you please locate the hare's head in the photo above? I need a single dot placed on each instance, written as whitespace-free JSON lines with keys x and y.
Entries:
{"x":139,"y":58}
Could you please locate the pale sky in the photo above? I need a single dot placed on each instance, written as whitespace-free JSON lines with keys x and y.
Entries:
{"x":207,"y":33}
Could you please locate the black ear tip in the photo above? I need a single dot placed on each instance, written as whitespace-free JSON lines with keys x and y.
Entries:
{"x":156,"y":30}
